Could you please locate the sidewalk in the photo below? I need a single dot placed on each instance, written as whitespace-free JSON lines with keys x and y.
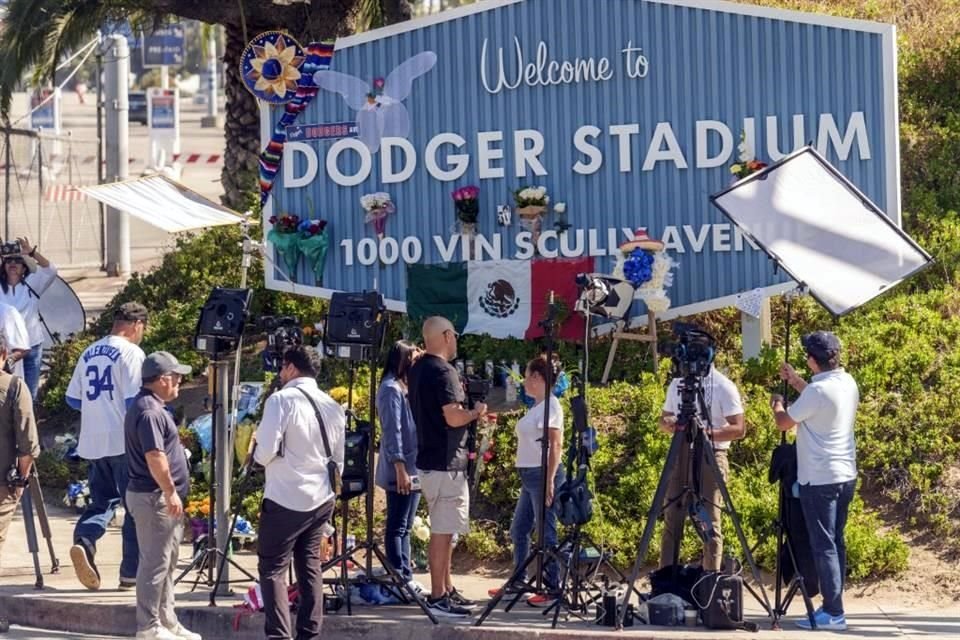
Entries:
{"x":65,"y":605}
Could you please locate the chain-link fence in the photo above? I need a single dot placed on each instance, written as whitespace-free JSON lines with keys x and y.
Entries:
{"x":41,"y":172}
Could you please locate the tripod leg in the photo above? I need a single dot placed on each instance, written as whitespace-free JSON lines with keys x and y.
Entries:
{"x":405,"y":589}
{"x":33,"y":546}
{"x":735,"y":518}
{"x":37,"y":494}
{"x":655,"y":510}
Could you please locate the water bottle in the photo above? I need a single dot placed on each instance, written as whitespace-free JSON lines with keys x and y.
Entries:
{"x":351,"y":541}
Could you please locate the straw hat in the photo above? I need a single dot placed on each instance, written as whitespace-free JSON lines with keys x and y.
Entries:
{"x":641,"y":241}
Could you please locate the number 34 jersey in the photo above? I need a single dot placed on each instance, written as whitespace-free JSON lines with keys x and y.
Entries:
{"x":106,"y":376}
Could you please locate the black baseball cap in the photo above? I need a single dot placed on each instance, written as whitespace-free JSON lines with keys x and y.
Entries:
{"x":130,"y":312}
{"x":821,"y":344}
{"x":159,"y":363}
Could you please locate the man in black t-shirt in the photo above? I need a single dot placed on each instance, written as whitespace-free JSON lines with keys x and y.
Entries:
{"x":157,"y":488}
{"x":437,"y":399}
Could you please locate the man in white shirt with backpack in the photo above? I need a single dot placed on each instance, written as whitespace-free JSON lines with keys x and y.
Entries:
{"x":105,"y":381}
{"x":300,"y":442}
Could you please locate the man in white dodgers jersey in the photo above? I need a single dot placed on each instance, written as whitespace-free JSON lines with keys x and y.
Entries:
{"x":105,"y":381}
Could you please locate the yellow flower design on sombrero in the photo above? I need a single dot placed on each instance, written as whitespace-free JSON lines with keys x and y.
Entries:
{"x":274,"y":67}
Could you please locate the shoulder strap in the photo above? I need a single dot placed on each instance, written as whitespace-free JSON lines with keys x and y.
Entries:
{"x":323,"y":428}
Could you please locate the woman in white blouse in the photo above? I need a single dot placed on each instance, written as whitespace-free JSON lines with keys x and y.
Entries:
{"x":23,"y":280}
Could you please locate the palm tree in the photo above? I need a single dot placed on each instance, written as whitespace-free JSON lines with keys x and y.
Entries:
{"x":38,"y":32}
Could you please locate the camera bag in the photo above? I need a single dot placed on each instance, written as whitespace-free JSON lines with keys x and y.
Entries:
{"x":574,"y":502}
{"x":720,"y":598}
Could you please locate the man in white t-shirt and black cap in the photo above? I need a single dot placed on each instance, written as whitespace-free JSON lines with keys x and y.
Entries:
{"x":724,"y":425}
{"x":824,"y":415}
{"x":105,"y":382}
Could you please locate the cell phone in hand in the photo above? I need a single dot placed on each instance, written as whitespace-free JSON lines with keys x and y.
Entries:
{"x":414,"y":483}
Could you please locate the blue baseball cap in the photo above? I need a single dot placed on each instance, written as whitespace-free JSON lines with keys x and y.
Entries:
{"x":822,"y":344}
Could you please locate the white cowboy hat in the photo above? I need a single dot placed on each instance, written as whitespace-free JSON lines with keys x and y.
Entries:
{"x":29,"y":262}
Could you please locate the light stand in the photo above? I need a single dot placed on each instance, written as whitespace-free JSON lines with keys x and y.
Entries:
{"x":394,"y":582}
{"x":220,"y":464}
{"x":782,"y":599}
{"x":581,"y":591}
{"x":540,"y":553}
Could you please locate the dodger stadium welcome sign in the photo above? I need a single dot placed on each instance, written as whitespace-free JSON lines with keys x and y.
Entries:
{"x":630,"y":112}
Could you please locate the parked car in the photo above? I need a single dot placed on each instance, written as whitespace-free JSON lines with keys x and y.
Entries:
{"x":137,"y":101}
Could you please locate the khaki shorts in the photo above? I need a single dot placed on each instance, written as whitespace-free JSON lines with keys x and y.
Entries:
{"x":448,"y":500}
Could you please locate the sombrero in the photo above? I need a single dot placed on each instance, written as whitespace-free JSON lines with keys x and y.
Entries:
{"x":641,"y":241}
{"x":270,"y":67}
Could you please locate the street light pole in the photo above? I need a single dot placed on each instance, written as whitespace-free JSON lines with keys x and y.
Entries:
{"x":117,"y":72}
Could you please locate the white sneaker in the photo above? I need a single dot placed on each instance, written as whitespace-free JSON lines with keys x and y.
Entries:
{"x":157,"y":633}
{"x":183,"y":633}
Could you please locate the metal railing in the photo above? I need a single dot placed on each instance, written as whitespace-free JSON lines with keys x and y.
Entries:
{"x":40,"y":200}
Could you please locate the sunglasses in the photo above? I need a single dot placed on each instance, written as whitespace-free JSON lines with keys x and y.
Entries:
{"x":456,"y":336}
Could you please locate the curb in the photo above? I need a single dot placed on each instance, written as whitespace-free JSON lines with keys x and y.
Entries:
{"x":217,"y":622}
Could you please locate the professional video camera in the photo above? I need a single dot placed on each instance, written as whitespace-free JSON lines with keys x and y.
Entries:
{"x":476,"y":388}
{"x":283,"y":333}
{"x":693,"y":351}
{"x":10,"y":248}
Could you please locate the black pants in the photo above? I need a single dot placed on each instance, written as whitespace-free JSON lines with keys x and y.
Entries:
{"x":284,"y":532}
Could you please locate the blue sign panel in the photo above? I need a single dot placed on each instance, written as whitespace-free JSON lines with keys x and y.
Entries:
{"x":164,"y":47}
{"x":44,"y":117}
{"x":631,"y":112}
{"x":330,"y":131}
{"x":162,"y":112}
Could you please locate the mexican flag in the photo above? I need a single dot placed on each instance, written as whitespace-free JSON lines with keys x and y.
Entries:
{"x":501,"y":298}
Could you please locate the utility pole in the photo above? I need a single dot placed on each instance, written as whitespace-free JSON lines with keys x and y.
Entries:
{"x":117,"y":74}
{"x":213,"y":118}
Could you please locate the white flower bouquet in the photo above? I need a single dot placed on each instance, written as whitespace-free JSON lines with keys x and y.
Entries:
{"x":377,"y":206}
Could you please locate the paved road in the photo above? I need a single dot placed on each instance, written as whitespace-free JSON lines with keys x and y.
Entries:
{"x":70,"y":230}
{"x":22,"y":633}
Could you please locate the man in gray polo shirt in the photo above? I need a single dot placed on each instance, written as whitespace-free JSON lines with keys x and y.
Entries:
{"x":824,"y":415}
{"x":158,"y":486}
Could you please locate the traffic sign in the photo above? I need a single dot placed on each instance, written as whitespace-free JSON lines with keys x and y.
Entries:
{"x":164,"y":47}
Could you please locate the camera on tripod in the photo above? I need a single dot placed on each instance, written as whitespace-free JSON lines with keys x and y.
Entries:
{"x":283,"y":334}
{"x":693,"y":351}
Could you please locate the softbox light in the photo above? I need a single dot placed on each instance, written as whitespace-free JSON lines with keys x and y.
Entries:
{"x":822,"y":231}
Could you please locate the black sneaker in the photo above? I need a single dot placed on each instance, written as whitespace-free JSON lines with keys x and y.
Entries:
{"x":457,"y":598}
{"x":443,"y":608}
{"x":127,"y":584}
{"x":81,"y":554}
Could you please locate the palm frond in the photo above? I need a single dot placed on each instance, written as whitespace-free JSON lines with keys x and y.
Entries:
{"x":38,"y":32}
{"x":369,"y":15}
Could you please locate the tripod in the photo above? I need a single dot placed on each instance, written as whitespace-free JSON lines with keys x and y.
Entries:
{"x":221,"y":453}
{"x":540,"y":552}
{"x":691,"y":433}
{"x":33,"y":495}
{"x":783,"y":598}
{"x":578,"y":585}
{"x":393,"y":581}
